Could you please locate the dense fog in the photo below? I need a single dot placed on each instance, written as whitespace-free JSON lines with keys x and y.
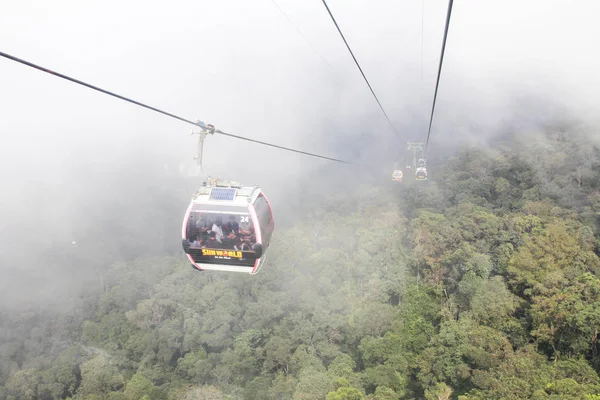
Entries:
{"x":89,"y":180}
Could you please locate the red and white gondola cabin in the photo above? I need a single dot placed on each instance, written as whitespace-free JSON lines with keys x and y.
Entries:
{"x":228,"y":227}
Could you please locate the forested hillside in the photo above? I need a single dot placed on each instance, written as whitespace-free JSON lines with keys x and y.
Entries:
{"x":481,"y":283}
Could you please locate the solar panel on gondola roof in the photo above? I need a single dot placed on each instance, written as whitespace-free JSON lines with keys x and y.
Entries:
{"x":222,"y":194}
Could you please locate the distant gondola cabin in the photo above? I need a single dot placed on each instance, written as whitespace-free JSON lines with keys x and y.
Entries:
{"x":397,"y":175}
{"x":421,"y":174}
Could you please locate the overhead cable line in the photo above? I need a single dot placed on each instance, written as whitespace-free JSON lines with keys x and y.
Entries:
{"x":301,"y":34}
{"x":437,"y":84}
{"x":422,"y":101}
{"x":29,"y":64}
{"x":360,"y":69}
{"x":422,"y":38}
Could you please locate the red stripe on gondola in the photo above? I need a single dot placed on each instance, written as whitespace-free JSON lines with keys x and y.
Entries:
{"x":257,"y":232}
{"x":272,"y":224}
{"x":184,"y":232}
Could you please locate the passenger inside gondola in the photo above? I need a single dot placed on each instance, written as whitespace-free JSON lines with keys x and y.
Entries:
{"x":211,"y":242}
{"x":205,"y":226}
{"x":195,"y":241}
{"x":247,"y":238}
{"x":191,"y":227}
{"x":229,"y":240}
{"x":201,"y":223}
{"x":217,"y":229}
{"x":231,"y":227}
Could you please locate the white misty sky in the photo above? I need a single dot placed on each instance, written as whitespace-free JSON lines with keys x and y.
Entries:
{"x":241,"y":66}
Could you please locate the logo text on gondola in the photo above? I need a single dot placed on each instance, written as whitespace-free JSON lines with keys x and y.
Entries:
{"x":221,"y":253}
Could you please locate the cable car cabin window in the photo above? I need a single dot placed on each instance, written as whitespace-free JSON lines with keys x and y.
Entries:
{"x":264,"y":216}
{"x":222,"y":230}
{"x":218,"y":234}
